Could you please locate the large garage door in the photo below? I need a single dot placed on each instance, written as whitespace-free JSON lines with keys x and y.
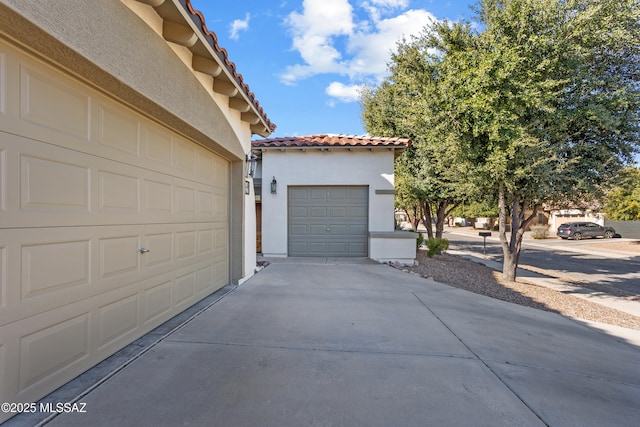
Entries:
{"x":110,"y":224}
{"x":328,"y":221}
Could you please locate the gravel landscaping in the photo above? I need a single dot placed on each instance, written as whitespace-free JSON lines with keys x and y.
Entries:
{"x":474,"y":277}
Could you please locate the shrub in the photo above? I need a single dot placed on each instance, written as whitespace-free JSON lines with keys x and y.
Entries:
{"x":419,"y":240}
{"x":436,"y":246}
{"x":539,"y":231}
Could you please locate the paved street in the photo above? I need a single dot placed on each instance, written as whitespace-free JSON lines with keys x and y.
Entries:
{"x":559,"y":258}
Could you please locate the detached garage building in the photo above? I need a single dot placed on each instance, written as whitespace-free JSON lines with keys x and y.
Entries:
{"x":330,"y":196}
{"x":124,"y":133}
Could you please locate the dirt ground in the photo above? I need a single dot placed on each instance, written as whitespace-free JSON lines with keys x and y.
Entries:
{"x":474,"y":277}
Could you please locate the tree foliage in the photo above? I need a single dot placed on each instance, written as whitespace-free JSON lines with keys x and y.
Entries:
{"x":430,"y":178}
{"x":540,"y":105}
{"x":622,"y":202}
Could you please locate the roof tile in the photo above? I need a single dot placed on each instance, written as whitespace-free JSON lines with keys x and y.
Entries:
{"x":329,"y":140}
{"x":225,"y":57}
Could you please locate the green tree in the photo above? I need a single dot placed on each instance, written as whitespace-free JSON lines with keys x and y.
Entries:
{"x":622,"y":202}
{"x":430,"y":181}
{"x":546,"y":103}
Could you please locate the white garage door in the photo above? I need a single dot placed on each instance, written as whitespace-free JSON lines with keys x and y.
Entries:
{"x":328,"y":221}
{"x":87,"y":186}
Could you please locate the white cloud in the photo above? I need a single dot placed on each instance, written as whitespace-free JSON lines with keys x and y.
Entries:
{"x":377,"y":8}
{"x":239,"y":25}
{"x":345,"y":93}
{"x":332,"y":39}
{"x":313,"y":33}
{"x":372,"y":51}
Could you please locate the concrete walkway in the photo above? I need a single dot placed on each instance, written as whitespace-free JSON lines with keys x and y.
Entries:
{"x":321,"y":343}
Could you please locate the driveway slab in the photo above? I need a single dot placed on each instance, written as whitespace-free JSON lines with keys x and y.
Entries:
{"x":328,"y":344}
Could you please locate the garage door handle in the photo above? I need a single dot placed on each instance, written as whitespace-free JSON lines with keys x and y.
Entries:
{"x":144,"y":250}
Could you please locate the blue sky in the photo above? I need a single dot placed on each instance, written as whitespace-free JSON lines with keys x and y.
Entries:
{"x":305,"y":59}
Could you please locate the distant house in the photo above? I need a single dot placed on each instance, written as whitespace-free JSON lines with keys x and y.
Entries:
{"x":330,"y":196}
{"x":124,"y":134}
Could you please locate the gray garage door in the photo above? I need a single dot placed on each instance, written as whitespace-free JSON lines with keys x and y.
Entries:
{"x":328,"y":221}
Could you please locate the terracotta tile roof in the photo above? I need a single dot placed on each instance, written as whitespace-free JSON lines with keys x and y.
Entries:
{"x":198,"y":19}
{"x":328,"y":140}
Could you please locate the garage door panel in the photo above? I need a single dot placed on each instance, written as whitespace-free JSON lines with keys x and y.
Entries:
{"x":317,"y":212}
{"x":162,"y":244}
{"x":85,"y":182}
{"x":54,"y":183}
{"x":54,"y":266}
{"x":338,"y":248}
{"x":185,"y":244}
{"x":204,"y":201}
{"x":118,"y":255}
{"x":118,"y":129}
{"x":185,"y":201}
{"x":338,"y":212}
{"x":298,"y":230}
{"x":184,"y":289}
{"x":316,"y":230}
{"x":53,"y":104}
{"x":298,"y":194}
{"x":338,"y":194}
{"x":357,"y":212}
{"x":359,"y":249}
{"x":118,"y":193}
{"x":47,"y":351}
{"x":158,"y":197}
{"x":338,"y":230}
{"x":315,"y":194}
{"x":337,"y":223}
{"x":117,"y":320}
{"x":357,"y":230}
{"x":156,"y":302}
{"x":157,"y":145}
{"x":50,"y":184}
{"x":317,"y":248}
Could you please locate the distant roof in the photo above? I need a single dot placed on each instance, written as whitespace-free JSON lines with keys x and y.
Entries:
{"x":329,"y":140}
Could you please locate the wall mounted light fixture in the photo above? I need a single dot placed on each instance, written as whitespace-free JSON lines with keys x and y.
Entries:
{"x":252,"y":161}
{"x":274,"y":186}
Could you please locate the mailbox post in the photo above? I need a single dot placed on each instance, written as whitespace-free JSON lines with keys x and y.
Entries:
{"x":484,"y":235}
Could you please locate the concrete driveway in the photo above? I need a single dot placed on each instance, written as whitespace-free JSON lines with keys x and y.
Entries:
{"x":311,"y":342}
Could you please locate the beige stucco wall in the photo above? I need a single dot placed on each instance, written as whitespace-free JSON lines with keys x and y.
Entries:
{"x":104,"y":42}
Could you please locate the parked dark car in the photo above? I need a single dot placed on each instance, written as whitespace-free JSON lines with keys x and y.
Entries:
{"x":583,"y":230}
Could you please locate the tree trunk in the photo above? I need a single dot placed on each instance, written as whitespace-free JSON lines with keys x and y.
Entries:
{"x":442,"y":209}
{"x":426,"y":218}
{"x":511,"y":248}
